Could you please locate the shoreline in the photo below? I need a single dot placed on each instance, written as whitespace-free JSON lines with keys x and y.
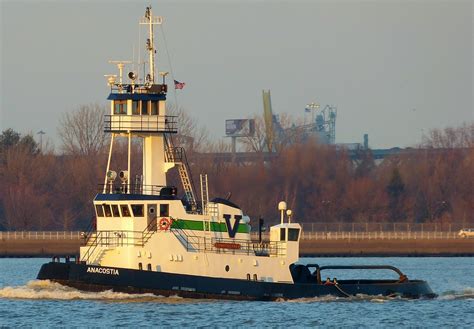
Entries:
{"x":456,"y":247}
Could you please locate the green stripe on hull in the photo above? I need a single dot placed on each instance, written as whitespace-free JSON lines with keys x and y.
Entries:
{"x":198,"y":226}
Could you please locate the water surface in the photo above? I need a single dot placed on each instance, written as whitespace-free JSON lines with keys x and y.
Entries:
{"x":28,"y":302}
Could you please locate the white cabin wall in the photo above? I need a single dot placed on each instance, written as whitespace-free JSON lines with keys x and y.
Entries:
{"x":166,"y":253}
{"x":154,"y":161}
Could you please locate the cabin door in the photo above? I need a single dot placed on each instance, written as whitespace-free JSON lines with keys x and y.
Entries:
{"x":152,"y":217}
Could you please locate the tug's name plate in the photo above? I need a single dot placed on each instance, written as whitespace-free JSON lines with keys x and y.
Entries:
{"x":103,"y":270}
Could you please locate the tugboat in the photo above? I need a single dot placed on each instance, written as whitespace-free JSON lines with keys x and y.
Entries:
{"x":148,"y":240}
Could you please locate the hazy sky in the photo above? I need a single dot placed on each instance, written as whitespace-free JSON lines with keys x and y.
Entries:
{"x":394,"y":69}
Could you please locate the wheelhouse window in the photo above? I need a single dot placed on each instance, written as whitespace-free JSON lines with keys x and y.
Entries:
{"x":282,"y":234}
{"x":164,"y":210}
{"x":125,"y":210}
{"x":108,"y":212}
{"x":144,"y":107}
{"x":115,"y":210}
{"x":293,"y":234}
{"x":99,"y":211}
{"x":135,"y":107}
{"x":154,"y":108}
{"x":120,"y":107}
{"x":137,"y":210}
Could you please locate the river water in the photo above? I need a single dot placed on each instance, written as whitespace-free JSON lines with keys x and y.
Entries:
{"x":25,"y":301}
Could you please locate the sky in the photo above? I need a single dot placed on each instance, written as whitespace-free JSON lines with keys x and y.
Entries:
{"x":394,"y":69}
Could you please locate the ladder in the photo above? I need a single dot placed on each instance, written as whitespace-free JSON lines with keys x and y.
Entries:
{"x":178,"y":156}
{"x":204,"y":193}
{"x":205,"y":203}
{"x":188,"y":188}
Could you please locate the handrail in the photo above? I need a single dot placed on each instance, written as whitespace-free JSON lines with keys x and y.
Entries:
{"x":92,"y":247}
{"x":186,"y":164}
{"x":223,"y":245}
{"x":148,"y":232}
{"x":355,"y":267}
{"x":187,"y":240}
{"x":184,"y":172}
{"x":174,"y":154}
{"x":118,"y":238}
{"x":135,"y":188}
{"x":41,"y":235}
{"x":140,"y":123}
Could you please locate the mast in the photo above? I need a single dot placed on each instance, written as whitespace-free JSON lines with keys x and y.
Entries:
{"x":139,"y":110}
{"x":150,"y":20}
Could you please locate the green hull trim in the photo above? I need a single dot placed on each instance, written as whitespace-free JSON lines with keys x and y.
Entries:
{"x":185,"y":224}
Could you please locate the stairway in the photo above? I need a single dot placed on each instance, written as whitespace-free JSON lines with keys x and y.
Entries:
{"x":93,"y":252}
{"x":189,"y":241}
{"x":178,"y":156}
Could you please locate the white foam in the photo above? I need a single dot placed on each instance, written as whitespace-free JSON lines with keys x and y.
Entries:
{"x":45,"y":289}
{"x":326,"y":298}
{"x":466,"y":293}
{"x":332,"y":298}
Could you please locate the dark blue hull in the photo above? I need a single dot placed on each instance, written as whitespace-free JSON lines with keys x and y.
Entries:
{"x":96,"y":278}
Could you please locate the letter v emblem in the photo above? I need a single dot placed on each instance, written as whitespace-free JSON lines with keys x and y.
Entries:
{"x":232,"y":229}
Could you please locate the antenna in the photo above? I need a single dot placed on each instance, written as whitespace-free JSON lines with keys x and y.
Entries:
{"x":120,"y":65}
{"x":151,"y":20}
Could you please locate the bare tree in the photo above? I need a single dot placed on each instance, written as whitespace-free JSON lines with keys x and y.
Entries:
{"x":190,"y":135}
{"x":257,"y":142}
{"x":82,"y":131}
{"x":450,"y":137}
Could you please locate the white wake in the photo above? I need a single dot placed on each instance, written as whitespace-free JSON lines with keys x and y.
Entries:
{"x":45,"y":289}
{"x":466,"y":293}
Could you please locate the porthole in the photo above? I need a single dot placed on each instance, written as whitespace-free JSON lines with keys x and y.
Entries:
{"x":227,"y":268}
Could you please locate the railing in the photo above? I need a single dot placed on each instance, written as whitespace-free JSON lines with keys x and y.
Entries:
{"x":112,"y":239}
{"x":189,"y":241}
{"x":402,"y":277}
{"x":40,"y":235}
{"x":227,"y":246}
{"x":116,"y":238}
{"x":371,"y":235}
{"x":306,"y":235}
{"x":398,"y":235}
{"x":92,"y":239}
{"x":139,"y":88}
{"x":383,"y":227}
{"x":117,"y":188}
{"x":174,"y":154}
{"x":140,"y":123}
{"x":151,"y":229}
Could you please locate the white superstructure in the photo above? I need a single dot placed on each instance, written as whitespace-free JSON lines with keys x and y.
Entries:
{"x":142,"y":223}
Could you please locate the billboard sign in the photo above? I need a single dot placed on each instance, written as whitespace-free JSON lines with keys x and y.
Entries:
{"x":240,"y":127}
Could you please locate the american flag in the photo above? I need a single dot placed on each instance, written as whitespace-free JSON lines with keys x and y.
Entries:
{"x":179,"y":85}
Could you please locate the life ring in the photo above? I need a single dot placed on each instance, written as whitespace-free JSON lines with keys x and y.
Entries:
{"x":164,"y":224}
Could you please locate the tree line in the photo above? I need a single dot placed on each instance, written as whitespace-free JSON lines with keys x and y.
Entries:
{"x":434,"y":182}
